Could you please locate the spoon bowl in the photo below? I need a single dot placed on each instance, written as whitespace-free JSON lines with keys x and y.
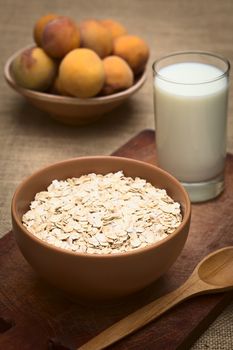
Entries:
{"x":217,"y":268}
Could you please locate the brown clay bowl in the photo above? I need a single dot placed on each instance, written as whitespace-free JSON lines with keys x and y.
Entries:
{"x":71,"y":110}
{"x":99,"y":276}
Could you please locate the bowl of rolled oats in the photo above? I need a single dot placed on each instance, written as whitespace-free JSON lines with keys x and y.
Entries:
{"x":101,"y":227}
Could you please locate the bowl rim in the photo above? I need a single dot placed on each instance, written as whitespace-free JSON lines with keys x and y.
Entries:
{"x":67,"y":99}
{"x":149,"y":247}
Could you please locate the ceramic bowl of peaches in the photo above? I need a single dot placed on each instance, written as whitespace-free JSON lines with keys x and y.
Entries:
{"x":77,"y":72}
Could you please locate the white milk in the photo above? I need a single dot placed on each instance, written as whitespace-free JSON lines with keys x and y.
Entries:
{"x":191,"y":120}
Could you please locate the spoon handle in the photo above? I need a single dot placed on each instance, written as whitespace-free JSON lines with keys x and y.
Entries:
{"x":144,"y":315}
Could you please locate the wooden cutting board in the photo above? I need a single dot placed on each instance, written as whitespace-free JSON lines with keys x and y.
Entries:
{"x":34,"y":315}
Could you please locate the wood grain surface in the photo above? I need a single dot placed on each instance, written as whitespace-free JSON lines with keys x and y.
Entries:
{"x":34,"y":315}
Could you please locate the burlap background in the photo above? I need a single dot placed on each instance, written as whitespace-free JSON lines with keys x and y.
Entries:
{"x":30,"y":140}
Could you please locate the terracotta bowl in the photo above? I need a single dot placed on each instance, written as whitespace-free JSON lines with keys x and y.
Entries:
{"x":71,"y":110}
{"x":99,"y":276}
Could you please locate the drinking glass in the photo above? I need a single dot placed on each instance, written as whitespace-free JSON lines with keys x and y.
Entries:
{"x":190,"y":105}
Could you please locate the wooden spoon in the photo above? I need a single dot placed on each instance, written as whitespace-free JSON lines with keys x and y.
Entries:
{"x":212,"y":275}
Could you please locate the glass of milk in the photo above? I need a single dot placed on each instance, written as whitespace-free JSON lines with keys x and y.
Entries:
{"x":190,"y":103}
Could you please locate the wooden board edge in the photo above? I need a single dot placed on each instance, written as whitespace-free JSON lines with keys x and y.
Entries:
{"x":147,"y":134}
{"x":205,"y":323}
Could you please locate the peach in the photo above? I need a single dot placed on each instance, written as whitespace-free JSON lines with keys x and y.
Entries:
{"x":60,"y":36}
{"x":57,"y":88}
{"x":40,"y":25}
{"x":115,"y":27}
{"x":118,"y":75}
{"x":132,"y":49}
{"x":96,"y":37}
{"x":34,"y":69}
{"x":81,"y":73}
